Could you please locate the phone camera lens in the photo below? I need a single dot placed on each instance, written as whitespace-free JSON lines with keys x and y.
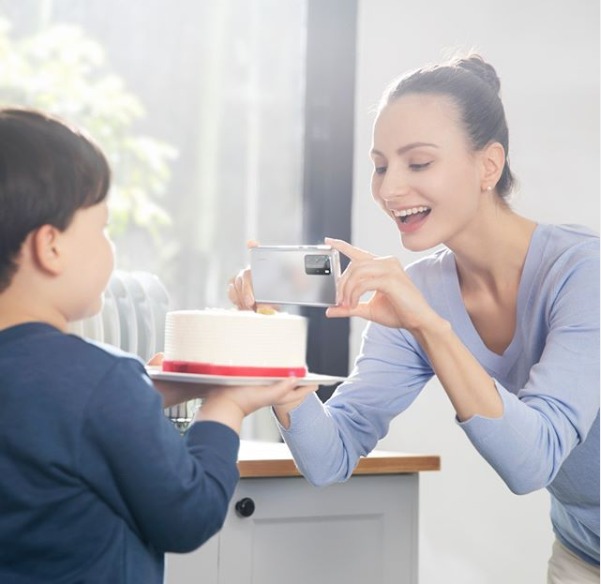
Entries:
{"x":317,"y":265}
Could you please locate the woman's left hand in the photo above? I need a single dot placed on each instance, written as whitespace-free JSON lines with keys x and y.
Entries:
{"x":396,"y":302}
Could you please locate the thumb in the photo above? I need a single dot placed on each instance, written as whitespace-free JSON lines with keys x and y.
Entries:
{"x":361,"y":310}
{"x":156,"y":359}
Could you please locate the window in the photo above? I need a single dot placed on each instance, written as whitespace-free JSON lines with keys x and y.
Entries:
{"x":224,"y":120}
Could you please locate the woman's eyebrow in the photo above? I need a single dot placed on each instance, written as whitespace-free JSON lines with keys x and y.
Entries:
{"x":406,"y":148}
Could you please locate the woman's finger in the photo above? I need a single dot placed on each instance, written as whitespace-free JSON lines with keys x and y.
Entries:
{"x":246,"y":289}
{"x":339,"y":312}
{"x":240,"y":290}
{"x":350,"y":251}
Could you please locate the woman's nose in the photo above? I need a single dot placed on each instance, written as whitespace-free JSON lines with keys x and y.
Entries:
{"x":393,"y":185}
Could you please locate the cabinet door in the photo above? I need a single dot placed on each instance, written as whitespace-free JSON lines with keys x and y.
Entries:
{"x":361,"y":531}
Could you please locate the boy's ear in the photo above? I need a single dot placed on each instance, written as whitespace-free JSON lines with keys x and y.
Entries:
{"x":493,"y":162}
{"x":45,"y":243}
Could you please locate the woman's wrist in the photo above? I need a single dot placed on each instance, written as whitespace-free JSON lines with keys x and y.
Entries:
{"x":430,"y":330}
{"x":282,"y":413}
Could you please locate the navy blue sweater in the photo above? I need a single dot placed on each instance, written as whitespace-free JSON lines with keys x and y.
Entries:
{"x":95,"y":482}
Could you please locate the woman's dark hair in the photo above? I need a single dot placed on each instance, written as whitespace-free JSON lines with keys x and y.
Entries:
{"x":473,"y":86}
{"x":48,"y":170}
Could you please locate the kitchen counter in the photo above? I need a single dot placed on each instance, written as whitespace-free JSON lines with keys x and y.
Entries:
{"x":273,"y":459}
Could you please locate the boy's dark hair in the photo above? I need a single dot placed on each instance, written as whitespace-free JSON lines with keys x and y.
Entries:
{"x":48,"y":170}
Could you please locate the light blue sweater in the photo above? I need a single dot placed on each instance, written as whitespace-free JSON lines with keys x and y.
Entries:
{"x":548,"y":379}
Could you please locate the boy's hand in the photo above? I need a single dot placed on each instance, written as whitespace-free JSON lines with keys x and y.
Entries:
{"x":176,"y":392}
{"x":230,"y":404}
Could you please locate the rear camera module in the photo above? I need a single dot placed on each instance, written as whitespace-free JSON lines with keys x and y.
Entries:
{"x":317,"y":265}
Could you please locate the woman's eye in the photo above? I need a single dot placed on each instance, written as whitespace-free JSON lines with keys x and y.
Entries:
{"x":379,"y":169}
{"x":420,"y":166}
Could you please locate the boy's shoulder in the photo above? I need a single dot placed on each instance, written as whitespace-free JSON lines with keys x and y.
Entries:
{"x":44,"y":348}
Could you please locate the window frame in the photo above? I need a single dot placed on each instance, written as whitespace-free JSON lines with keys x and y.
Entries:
{"x":328,"y":160}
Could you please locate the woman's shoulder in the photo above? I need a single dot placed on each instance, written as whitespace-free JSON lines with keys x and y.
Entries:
{"x":569,"y":235}
{"x":564,"y":259}
{"x":566,"y":243}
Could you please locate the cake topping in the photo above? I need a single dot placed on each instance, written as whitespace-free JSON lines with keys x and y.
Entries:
{"x":266,"y":309}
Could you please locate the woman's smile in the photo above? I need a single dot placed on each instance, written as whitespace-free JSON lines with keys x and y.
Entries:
{"x":412,"y":218}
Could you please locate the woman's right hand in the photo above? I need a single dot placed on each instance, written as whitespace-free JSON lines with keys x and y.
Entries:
{"x":240,"y":290}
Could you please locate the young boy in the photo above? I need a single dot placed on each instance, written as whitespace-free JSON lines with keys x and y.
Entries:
{"x":96,"y":483}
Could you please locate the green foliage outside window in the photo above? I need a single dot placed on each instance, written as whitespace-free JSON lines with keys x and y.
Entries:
{"x":64,"y":72}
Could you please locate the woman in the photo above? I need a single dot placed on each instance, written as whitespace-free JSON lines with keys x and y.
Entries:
{"x":506,"y":315}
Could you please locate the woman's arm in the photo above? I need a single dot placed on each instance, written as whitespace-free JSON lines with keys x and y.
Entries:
{"x":398,"y":303}
{"x":527,"y":433}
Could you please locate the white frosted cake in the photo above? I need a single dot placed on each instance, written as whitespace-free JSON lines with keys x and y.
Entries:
{"x":235,"y":342}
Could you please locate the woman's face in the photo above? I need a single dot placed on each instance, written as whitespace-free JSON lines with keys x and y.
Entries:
{"x":426,"y":177}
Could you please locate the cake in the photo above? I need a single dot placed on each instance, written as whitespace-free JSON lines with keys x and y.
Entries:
{"x":235,"y":342}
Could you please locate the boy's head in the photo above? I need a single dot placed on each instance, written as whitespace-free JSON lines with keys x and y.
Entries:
{"x":48,"y":171}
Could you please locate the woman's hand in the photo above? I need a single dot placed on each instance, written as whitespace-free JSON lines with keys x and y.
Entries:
{"x":240,"y":290}
{"x":396,"y":302}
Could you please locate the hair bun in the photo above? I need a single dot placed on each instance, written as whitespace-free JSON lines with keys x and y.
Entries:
{"x":478,"y":66}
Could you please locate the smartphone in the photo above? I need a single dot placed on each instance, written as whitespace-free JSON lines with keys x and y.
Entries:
{"x":295,"y":274}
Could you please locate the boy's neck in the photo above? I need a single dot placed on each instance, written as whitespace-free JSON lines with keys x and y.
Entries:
{"x":17,"y":310}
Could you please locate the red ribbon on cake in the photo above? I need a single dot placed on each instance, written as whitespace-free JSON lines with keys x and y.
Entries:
{"x":232,"y":370}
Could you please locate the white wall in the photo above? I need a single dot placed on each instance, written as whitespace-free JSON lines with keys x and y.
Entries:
{"x":474,"y":531}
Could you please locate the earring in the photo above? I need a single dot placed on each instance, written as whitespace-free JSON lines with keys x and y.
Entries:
{"x":489,"y":188}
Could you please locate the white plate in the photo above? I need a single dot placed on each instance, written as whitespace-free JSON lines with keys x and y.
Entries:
{"x":160,"y":375}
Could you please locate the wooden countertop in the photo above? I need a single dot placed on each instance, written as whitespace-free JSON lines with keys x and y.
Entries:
{"x":273,"y":459}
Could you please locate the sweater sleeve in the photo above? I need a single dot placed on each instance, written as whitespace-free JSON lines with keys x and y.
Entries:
{"x":173,"y":492}
{"x":327,"y":440}
{"x":554,"y":411}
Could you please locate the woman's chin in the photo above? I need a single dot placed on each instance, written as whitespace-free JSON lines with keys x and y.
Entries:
{"x":417,"y":244}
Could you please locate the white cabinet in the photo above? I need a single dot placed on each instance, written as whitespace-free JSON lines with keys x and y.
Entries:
{"x":361,"y":531}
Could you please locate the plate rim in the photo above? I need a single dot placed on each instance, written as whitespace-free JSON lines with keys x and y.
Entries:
{"x":156,"y":373}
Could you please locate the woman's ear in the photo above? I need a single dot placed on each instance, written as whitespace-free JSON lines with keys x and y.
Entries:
{"x":493,"y":162}
{"x":45,"y":249}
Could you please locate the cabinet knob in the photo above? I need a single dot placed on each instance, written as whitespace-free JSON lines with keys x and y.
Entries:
{"x":245,"y":507}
